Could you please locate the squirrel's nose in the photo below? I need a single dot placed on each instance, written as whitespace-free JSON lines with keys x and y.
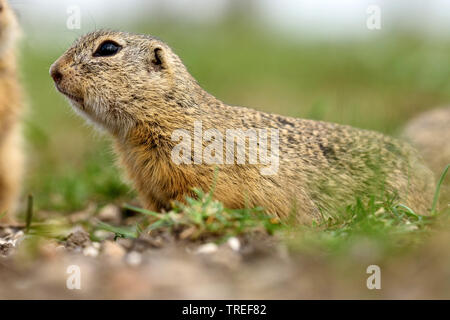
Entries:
{"x":55,"y":73}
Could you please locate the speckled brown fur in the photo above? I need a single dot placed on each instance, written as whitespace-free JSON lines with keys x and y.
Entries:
{"x":144,"y":92}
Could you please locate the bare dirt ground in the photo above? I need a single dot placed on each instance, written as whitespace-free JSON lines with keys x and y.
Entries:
{"x":162,"y":266}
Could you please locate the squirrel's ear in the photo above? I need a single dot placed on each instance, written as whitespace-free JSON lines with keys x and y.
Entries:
{"x":158,"y":58}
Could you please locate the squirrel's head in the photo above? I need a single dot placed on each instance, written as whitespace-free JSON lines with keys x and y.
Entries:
{"x":116,"y":79}
{"x":8,"y":26}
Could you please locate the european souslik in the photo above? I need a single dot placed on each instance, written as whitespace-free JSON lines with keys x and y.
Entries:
{"x":136,"y":88}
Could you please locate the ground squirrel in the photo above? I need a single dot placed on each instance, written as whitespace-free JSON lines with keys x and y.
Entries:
{"x":138,"y":90}
{"x":10,"y":110}
{"x":429,"y":132}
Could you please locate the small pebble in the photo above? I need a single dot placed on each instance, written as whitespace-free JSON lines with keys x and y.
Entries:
{"x":96,"y":245}
{"x":18,"y":235}
{"x":78,"y":239}
{"x":134,"y":258}
{"x":126,"y":243}
{"x":90,"y":252}
{"x":102,"y":234}
{"x":207,"y":248}
{"x":5,"y":248}
{"x":110,"y":213}
{"x":60,"y":249}
{"x":234,"y":243}
{"x":113,"y":250}
{"x":3,"y":242}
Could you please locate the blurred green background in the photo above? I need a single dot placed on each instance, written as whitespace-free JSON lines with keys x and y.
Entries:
{"x":377,"y":82}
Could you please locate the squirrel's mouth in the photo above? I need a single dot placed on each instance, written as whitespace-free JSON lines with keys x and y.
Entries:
{"x":70,"y":96}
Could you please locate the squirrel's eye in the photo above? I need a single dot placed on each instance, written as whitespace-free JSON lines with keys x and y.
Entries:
{"x":107,"y":48}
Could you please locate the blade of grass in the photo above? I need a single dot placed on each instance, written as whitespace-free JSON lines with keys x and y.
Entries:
{"x":143,"y":211}
{"x":438,"y":188}
{"x":29,"y":215}
{"x":408,"y":211}
{"x":118,"y":231}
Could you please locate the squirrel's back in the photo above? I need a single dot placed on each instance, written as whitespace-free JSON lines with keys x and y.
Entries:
{"x":335,"y":164}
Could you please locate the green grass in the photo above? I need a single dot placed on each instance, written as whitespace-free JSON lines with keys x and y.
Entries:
{"x":382,"y":220}
{"x":438,"y":189}
{"x":381,"y":224}
{"x":201,"y":217}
